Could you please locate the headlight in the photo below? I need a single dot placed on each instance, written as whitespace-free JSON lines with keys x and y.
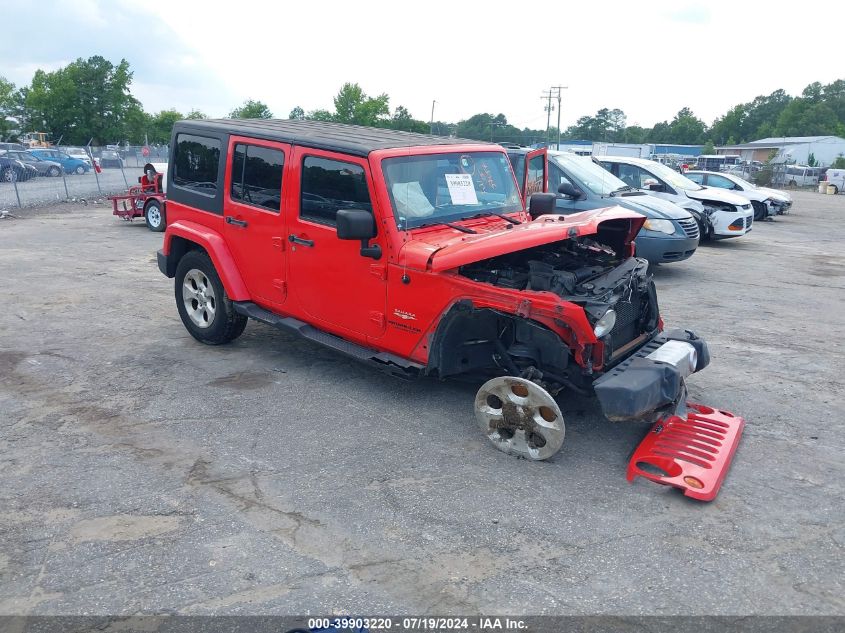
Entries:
{"x":605,"y":324}
{"x":661,"y":226}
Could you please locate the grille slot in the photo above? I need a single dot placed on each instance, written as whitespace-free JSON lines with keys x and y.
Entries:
{"x":690,"y":227}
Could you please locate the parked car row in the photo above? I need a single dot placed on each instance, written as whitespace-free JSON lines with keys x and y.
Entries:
{"x":20,"y":165}
{"x":681,"y":209}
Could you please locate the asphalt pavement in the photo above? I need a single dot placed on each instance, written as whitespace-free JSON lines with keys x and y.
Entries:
{"x":142,"y":472}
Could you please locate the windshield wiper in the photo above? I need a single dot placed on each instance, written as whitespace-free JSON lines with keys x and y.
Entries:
{"x":457,"y":227}
{"x":621,"y":189}
{"x":498,"y":215}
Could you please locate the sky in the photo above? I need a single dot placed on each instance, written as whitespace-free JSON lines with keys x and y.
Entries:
{"x":648,"y":58}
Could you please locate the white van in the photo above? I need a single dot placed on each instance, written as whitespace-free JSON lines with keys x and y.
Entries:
{"x":835,"y":177}
{"x":797,"y":176}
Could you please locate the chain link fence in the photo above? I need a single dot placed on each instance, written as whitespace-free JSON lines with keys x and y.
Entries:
{"x":42,"y":175}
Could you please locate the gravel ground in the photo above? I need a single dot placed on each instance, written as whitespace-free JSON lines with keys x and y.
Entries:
{"x":142,"y":472}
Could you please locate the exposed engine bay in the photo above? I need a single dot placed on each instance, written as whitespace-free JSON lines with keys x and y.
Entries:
{"x":586,"y":272}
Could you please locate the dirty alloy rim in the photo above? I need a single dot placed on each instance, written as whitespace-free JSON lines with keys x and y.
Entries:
{"x":199,"y":298}
{"x":519,"y":417}
{"x":10,"y":175}
{"x":154,"y":216}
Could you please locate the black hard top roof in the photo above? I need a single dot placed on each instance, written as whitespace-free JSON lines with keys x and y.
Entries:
{"x":351,"y":139}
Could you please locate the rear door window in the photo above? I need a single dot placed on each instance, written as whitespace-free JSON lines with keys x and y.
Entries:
{"x":257,"y":176}
{"x":331,"y":185}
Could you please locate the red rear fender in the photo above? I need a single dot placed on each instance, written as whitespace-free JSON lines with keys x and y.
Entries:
{"x":213,"y":244}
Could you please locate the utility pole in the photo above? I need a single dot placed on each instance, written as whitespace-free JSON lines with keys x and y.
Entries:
{"x":431,"y":125}
{"x":558,"y":90}
{"x":548,"y":108}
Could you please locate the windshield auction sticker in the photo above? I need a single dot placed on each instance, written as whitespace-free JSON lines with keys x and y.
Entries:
{"x":461,"y":189}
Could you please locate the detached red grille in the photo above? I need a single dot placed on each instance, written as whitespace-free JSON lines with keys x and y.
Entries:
{"x":692,"y":454}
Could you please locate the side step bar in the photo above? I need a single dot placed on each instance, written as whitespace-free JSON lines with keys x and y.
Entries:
{"x":692,"y":453}
{"x":390,"y":363}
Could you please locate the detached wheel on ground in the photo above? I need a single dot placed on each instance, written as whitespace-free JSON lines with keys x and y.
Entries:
{"x":760,"y":211}
{"x":519,"y":417}
{"x":154,"y":215}
{"x":205,"y":309}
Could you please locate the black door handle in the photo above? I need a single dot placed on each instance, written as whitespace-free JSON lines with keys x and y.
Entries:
{"x":241,"y":223}
{"x":302,"y":242}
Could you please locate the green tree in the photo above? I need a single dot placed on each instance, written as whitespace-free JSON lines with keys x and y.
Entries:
{"x":402,"y":120}
{"x":686,"y":128}
{"x":86,"y":99}
{"x":251,"y":110}
{"x":811,"y":159}
{"x":8,"y":103}
{"x":196,"y":114}
{"x":353,"y":105}
{"x":297,"y":113}
{"x":161,"y":125}
{"x":708,"y":148}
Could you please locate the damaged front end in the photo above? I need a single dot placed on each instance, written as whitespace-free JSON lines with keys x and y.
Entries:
{"x":608,"y":338}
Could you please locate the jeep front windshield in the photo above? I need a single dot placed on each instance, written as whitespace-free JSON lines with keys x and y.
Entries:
{"x":436,"y":188}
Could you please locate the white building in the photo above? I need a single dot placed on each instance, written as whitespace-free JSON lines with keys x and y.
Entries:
{"x":789,"y":149}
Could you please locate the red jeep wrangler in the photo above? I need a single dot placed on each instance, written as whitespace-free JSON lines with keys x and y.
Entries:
{"x":415,"y":254}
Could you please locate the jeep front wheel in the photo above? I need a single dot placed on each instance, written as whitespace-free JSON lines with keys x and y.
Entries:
{"x":205,"y":309}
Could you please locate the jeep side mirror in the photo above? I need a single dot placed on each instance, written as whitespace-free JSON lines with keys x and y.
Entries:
{"x":356,"y":224}
{"x":541,"y":204}
{"x":657,"y":186}
{"x":569,"y":190}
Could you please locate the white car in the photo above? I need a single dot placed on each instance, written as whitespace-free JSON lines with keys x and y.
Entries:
{"x":725,"y":214}
{"x":766,"y":202}
{"x":80,"y":153}
{"x":836,"y":178}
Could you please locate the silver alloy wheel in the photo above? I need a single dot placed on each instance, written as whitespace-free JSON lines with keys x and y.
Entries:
{"x":10,"y":175}
{"x":199,"y":298}
{"x":80,"y":169}
{"x":154,"y":215}
{"x":519,"y":417}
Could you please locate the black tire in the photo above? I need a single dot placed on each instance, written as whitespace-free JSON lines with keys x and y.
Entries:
{"x":54,"y":172}
{"x":760,"y":211}
{"x":835,"y":189}
{"x":154,"y":215}
{"x":225,"y":324}
{"x":792,"y":183}
{"x":79,"y":170}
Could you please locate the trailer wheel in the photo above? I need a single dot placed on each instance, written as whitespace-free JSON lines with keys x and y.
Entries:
{"x":154,"y":215}
{"x":519,"y":417}
{"x":206,"y":311}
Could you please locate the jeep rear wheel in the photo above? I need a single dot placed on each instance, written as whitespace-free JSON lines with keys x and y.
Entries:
{"x":205,"y":309}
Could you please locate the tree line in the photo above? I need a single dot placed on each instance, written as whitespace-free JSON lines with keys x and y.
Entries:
{"x":91,"y":99}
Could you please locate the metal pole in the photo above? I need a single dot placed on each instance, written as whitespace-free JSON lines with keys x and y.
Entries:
{"x":17,"y":195}
{"x":120,"y":159}
{"x":93,"y":164}
{"x":548,"y":114}
{"x":64,"y":180}
{"x":559,"y":88}
{"x":431,"y":125}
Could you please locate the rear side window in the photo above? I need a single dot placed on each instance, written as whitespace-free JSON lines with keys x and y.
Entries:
{"x":257,"y":176}
{"x":195,"y":163}
{"x":330,"y":185}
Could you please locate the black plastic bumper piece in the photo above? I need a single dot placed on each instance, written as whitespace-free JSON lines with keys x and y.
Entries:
{"x":639,"y":386}
{"x":162,"y":263}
